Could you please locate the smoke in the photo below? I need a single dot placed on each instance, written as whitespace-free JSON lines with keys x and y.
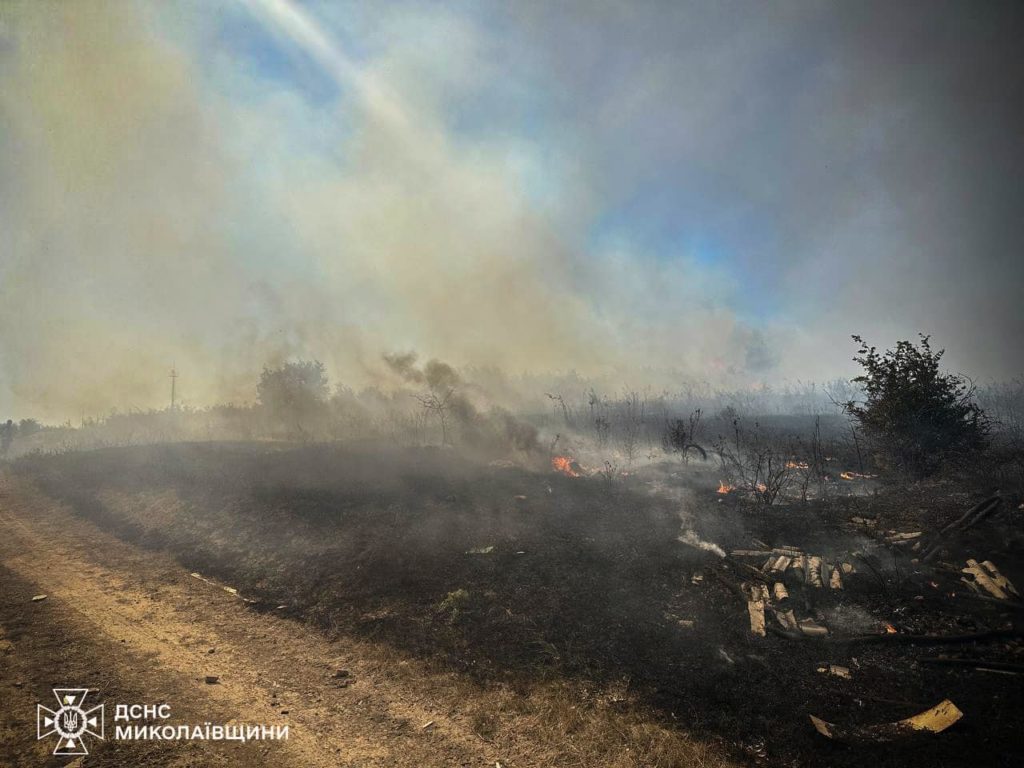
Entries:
{"x":165,"y":207}
{"x":436,"y":374}
{"x":444,"y":394}
{"x":685,"y":498}
{"x":690,"y":537}
{"x":114,"y":193}
{"x":231,"y":189}
{"x":405,"y":366}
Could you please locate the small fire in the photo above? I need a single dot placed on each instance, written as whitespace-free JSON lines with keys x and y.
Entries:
{"x":724,"y":487}
{"x":565,"y":465}
{"x":890,"y":629}
{"x":797,"y":465}
{"x":855,"y":476}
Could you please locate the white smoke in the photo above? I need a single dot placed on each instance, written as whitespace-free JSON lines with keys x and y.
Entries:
{"x":684,"y":497}
{"x":692,"y":539}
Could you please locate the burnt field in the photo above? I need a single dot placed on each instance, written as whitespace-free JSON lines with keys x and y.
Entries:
{"x":515,"y":576}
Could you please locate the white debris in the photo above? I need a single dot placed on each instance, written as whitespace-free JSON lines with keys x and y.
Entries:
{"x":835,"y":670}
{"x":836,"y":580}
{"x":811,"y":628}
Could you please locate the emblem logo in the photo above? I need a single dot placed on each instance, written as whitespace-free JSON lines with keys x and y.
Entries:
{"x":71,"y":722}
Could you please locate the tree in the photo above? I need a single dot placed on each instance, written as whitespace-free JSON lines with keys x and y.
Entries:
{"x":440,"y":398}
{"x":28,"y":427}
{"x":294,"y":395}
{"x":915,"y":416}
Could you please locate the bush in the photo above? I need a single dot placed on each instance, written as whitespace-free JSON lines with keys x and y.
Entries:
{"x":679,"y":436}
{"x":294,"y":396}
{"x":916,"y":417}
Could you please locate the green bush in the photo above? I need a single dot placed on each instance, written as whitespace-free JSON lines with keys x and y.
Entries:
{"x":916,"y":417}
{"x":294,"y":397}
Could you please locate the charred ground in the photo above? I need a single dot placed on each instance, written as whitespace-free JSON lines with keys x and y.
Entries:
{"x":516,"y":577}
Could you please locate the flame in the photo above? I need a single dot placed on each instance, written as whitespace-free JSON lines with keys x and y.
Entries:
{"x":890,"y":629}
{"x":797,"y":465}
{"x":565,"y":465}
{"x":724,"y":487}
{"x":855,"y":476}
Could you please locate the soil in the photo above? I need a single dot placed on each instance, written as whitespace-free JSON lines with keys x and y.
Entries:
{"x":137,"y":627}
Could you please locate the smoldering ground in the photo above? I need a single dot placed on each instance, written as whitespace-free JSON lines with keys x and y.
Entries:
{"x":606,"y":586}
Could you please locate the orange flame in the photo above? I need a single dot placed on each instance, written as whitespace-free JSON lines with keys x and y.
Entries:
{"x":724,"y":487}
{"x":565,"y":465}
{"x":855,"y":476}
{"x":890,"y":629}
{"x":797,"y":465}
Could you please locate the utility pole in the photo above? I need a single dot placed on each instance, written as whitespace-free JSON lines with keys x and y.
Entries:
{"x":174,"y":377}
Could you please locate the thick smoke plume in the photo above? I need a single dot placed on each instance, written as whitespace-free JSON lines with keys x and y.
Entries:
{"x":223,"y":190}
{"x":162,"y":208}
{"x":446,"y":397}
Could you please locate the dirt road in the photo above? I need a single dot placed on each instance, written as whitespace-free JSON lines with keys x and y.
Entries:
{"x":140,"y":629}
{"x":136,"y":627}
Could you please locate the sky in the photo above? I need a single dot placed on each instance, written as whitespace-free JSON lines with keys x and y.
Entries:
{"x":643,"y":191}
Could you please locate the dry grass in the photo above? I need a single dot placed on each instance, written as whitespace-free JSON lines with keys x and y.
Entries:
{"x":569,"y":725}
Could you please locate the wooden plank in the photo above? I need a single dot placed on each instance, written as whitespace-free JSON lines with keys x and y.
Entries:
{"x":1000,"y":581}
{"x":814,"y":572}
{"x":756,"y":610}
{"x":983,"y":580}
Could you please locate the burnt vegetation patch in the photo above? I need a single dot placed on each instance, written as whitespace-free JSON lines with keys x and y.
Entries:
{"x":724,"y":564}
{"x":513,"y":576}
